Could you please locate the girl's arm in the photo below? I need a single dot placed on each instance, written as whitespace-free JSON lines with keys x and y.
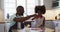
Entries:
{"x":44,"y":22}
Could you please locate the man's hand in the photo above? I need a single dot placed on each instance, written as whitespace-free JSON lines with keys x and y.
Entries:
{"x":16,"y":19}
{"x":35,"y":17}
{"x":21,"y":19}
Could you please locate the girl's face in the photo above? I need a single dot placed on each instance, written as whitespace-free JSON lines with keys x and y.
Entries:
{"x":39,"y":13}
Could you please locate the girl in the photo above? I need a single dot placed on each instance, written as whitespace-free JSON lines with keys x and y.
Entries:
{"x":39,"y":20}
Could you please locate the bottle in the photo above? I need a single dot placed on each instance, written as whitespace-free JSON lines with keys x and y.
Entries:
{"x":7,"y":15}
{"x":42,"y":30}
{"x":7,"y":18}
{"x":27,"y":28}
{"x":55,"y":17}
{"x":7,"y":22}
{"x":59,"y":16}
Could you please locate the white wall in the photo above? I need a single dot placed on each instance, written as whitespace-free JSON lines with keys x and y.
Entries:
{"x":2,"y":4}
{"x":48,"y":4}
{"x":1,"y":10}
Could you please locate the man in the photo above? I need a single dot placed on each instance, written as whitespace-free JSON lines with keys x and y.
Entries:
{"x":18,"y":17}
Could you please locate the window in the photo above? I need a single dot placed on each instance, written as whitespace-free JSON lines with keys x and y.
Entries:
{"x":22,"y":3}
{"x":9,"y":7}
{"x":29,"y":5}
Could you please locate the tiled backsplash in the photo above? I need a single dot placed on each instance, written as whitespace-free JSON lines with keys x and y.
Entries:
{"x":49,"y":15}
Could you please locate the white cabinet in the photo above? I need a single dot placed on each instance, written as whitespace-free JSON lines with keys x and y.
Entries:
{"x":2,"y":26}
{"x":7,"y":26}
{"x":52,"y":4}
{"x":48,"y":4}
{"x":57,"y":25}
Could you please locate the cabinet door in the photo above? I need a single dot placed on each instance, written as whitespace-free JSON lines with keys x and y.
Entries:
{"x":48,"y":4}
{"x":1,"y":27}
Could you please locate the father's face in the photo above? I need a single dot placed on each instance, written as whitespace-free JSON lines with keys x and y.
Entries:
{"x":20,"y":11}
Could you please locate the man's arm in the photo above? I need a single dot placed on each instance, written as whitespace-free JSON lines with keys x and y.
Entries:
{"x":22,"y":18}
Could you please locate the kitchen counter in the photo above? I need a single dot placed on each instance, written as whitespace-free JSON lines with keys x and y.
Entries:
{"x":47,"y":30}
